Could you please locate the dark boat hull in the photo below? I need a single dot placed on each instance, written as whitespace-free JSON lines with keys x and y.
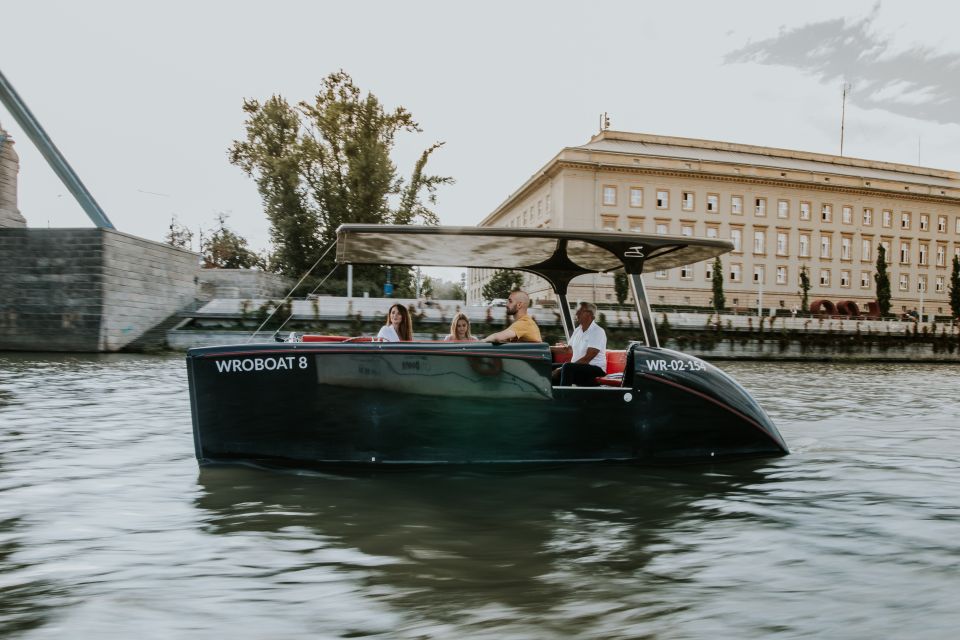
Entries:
{"x":408,"y":403}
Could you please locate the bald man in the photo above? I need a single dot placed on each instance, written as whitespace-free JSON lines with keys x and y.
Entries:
{"x":523,"y":329}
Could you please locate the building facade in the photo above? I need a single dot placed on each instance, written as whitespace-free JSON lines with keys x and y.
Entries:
{"x":783,"y":210}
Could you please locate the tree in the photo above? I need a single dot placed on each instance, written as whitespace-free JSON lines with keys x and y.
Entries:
{"x":501,"y":283}
{"x":271,"y":155}
{"x":883,"y":281}
{"x":804,"y":289}
{"x":621,"y":286}
{"x":955,"y":288}
{"x":719,"y":300}
{"x":179,"y":236}
{"x":327,"y":162}
{"x":224,"y":249}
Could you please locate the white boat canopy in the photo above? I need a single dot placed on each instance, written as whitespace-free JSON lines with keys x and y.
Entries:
{"x":557,"y":255}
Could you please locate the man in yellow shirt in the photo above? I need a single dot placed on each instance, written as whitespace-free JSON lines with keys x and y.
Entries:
{"x":524,"y":328}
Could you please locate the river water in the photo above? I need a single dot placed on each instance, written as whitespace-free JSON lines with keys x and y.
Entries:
{"x":108,"y":529}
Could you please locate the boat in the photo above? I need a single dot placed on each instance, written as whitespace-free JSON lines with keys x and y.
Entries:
{"x":319,"y":401}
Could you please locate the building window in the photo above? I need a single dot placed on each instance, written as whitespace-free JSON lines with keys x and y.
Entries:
{"x":904,"y":253}
{"x":636,"y":224}
{"x":804,"y":245}
{"x":845,"y":279}
{"x":783,"y":243}
{"x":713,"y":232}
{"x":734,"y":272}
{"x":904,"y":282}
{"x":736,"y":205}
{"x":687,"y":204}
{"x":826,"y":213}
{"x":686,"y":272}
{"x":783,"y":209}
{"x":636,"y":197}
{"x":781,"y":275}
{"x":868,"y":217}
{"x":864,"y":279}
{"x":905,"y":220}
{"x":709,"y":270}
{"x":609,"y":223}
{"x":941,"y":255}
{"x":825,"y":246}
{"x":924,"y":222}
{"x":736,"y":236}
{"x":866,"y":249}
{"x":846,"y":215}
{"x":825,"y":277}
{"x":804,"y":210}
{"x":759,"y":274}
{"x":922,"y":283}
{"x":662,"y":229}
{"x":663,"y":199}
{"x":661,"y":274}
{"x":609,"y":195}
{"x":759,"y":242}
{"x":686,"y":230}
{"x":845,"y":248}
{"x":956,"y":226}
{"x":924,"y":250}
{"x":939,"y":284}
{"x":760,"y":207}
{"x":887,"y":258}
{"x":887,"y":218}
{"x":713,"y":203}
{"x":942,"y":224}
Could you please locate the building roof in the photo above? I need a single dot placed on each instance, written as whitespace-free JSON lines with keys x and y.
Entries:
{"x":731,"y":153}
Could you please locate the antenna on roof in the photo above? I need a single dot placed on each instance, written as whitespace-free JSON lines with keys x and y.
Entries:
{"x":604,"y":121}
{"x":843,"y":113}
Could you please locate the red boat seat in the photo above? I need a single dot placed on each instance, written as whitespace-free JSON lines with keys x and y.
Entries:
{"x":318,"y":338}
{"x":616,"y":362}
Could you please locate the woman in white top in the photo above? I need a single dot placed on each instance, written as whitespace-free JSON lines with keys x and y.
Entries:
{"x":460,"y":329}
{"x":398,"y":327}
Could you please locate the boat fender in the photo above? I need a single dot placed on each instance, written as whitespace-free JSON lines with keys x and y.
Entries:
{"x":486,"y":366}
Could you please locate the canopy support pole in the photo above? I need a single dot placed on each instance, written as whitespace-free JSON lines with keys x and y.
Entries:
{"x":565,"y":314}
{"x":647,"y":324}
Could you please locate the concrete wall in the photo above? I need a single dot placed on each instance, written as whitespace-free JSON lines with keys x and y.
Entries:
{"x":242,"y":283}
{"x":9,"y":168}
{"x":87,"y":289}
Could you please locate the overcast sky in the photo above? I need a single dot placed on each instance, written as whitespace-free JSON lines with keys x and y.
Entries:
{"x":145,"y":99}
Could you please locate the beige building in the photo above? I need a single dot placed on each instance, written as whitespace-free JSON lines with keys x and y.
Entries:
{"x":782,"y":209}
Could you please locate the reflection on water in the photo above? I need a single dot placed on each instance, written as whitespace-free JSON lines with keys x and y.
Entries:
{"x":108,"y":529}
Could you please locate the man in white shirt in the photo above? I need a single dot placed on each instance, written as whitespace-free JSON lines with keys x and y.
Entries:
{"x":588,"y":345}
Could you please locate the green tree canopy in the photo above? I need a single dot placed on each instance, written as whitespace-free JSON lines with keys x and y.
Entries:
{"x":501,"y":283}
{"x":621,"y":286}
{"x":326,"y":162}
{"x":719,"y":299}
{"x":804,"y":289}
{"x":955,"y":288}
{"x":179,"y":235}
{"x":883,"y":281}
{"x":224,"y":249}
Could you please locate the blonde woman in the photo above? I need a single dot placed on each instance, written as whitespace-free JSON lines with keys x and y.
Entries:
{"x":460,"y":329}
{"x":398,"y":327}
